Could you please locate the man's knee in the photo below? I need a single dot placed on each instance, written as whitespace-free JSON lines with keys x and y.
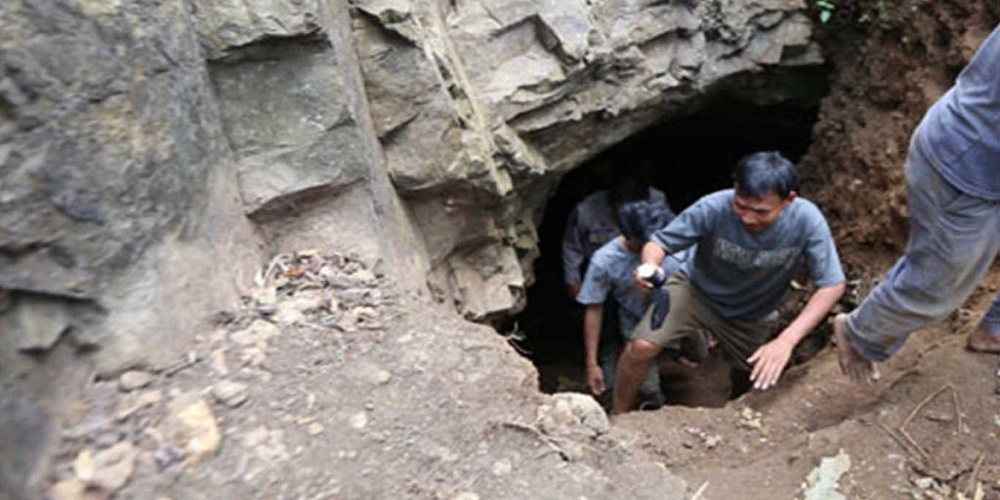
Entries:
{"x":641,"y":350}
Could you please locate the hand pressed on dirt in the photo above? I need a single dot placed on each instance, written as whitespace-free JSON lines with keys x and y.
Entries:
{"x":768,"y":362}
{"x":852,"y":364}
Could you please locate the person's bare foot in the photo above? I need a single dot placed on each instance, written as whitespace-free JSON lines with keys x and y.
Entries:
{"x":980,"y":340}
{"x":852,"y":364}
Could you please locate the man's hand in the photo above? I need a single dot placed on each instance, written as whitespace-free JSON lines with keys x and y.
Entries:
{"x":573,"y":290}
{"x":595,"y":379}
{"x":768,"y":362}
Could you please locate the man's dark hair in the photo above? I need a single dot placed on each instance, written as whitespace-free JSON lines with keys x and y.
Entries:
{"x":640,"y":219}
{"x":758,"y":175}
{"x":628,"y":189}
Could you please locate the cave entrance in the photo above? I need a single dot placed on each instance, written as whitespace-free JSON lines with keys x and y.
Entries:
{"x":686,"y":158}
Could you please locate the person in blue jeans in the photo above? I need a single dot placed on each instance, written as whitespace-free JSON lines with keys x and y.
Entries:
{"x":610,"y":275}
{"x":953,"y":192}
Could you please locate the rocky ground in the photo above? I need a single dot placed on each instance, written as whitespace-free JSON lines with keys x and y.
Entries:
{"x":330,"y":384}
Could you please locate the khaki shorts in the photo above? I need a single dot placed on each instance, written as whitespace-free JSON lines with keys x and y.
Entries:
{"x":691,"y":318}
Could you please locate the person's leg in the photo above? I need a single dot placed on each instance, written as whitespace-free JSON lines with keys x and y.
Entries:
{"x":986,"y":336}
{"x":953,"y":240}
{"x":649,"y":389}
{"x":632,"y":367}
{"x":646,"y":344}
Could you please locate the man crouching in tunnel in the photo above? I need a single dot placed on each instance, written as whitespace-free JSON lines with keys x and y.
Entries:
{"x":749,"y":241}
{"x":610,"y":273}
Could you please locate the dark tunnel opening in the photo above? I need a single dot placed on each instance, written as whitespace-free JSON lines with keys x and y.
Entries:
{"x":686,"y":158}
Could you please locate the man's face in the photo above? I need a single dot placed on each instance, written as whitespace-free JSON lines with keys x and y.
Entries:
{"x":757,"y":214}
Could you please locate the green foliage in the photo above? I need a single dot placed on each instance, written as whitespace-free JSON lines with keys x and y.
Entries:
{"x":826,"y":8}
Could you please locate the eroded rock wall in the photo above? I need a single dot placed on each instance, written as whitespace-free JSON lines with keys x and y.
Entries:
{"x":481,"y":105}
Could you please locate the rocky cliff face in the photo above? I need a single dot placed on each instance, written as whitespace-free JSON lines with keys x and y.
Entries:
{"x":153,"y":151}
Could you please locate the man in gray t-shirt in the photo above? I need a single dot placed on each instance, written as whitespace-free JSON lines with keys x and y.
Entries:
{"x":749,"y":241}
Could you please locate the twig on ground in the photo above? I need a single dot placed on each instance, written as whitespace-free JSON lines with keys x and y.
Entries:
{"x":974,"y":476}
{"x":921,"y":405}
{"x":905,"y":441}
{"x":909,"y":438}
{"x":701,"y":490}
{"x":530,"y":429}
{"x":958,"y":410}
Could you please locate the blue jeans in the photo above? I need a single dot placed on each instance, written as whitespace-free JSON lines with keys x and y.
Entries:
{"x":953,"y":240}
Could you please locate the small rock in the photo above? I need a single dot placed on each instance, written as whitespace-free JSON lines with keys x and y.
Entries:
{"x":314,"y":429}
{"x":363,"y":275}
{"x":572,"y":414}
{"x":288,"y":314}
{"x":74,"y":489}
{"x":358,"y":420}
{"x":191,"y":427}
{"x":466,"y":495}
{"x":218,"y":362}
{"x":109,"y":469}
{"x":132,"y":403}
{"x":502,"y":468}
{"x":134,"y":379}
{"x":264,"y":296}
{"x":383,"y":377}
{"x":231,"y":394}
{"x":257,"y":333}
{"x":924,"y":483}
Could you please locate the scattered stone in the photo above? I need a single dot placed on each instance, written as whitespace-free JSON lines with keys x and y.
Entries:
{"x":218,"y":362}
{"x":750,"y":419}
{"x":821,"y":484}
{"x":383,"y":377}
{"x":135,"y":402}
{"x":109,"y":469}
{"x":266,"y":444}
{"x":231,"y":394}
{"x":358,"y":420}
{"x":364,"y":276}
{"x":134,"y":379}
{"x":288,"y":313}
{"x":502,"y":468}
{"x":191,"y":427}
{"x":924,"y":483}
{"x":264,"y":296}
{"x":257,"y":333}
{"x":466,"y":495}
{"x":572,"y":414}
{"x":75,"y":489}
{"x":314,"y":429}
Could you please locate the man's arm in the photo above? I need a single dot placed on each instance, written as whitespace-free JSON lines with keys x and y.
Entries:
{"x":591,"y":337}
{"x":652,"y":253}
{"x":771,"y":358}
{"x":572,"y":255}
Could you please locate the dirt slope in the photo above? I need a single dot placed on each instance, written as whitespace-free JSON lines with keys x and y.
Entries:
{"x":328,"y":384}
